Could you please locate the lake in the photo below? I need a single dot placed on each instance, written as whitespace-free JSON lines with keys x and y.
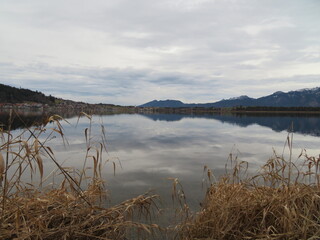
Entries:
{"x":148,"y":149}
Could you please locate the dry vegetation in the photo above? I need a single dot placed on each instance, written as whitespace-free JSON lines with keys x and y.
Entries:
{"x":281,"y":202}
{"x":74,"y":208}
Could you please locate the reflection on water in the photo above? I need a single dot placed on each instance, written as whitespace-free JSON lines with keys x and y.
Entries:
{"x":18,"y":119}
{"x":23,"y":119}
{"x":302,"y":123}
{"x":153,"y":148}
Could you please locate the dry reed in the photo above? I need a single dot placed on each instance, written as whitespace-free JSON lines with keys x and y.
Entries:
{"x":70,"y":210}
{"x":281,"y":202}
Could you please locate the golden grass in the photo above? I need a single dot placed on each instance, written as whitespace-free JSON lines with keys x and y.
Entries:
{"x":235,"y":211}
{"x":73,"y":209}
{"x":281,"y":202}
{"x":277,"y":203}
{"x":60,"y":214}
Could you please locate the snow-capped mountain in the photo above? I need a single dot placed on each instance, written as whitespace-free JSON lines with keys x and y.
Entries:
{"x":300,"y":98}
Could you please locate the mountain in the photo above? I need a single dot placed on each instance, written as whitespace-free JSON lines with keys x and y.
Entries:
{"x":164,"y":103}
{"x":10,"y":94}
{"x":231,"y":102}
{"x":299,"y":98}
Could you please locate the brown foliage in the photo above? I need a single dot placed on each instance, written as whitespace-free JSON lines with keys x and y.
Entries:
{"x":70,"y":210}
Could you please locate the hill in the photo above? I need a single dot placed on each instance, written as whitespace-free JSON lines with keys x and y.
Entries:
{"x":164,"y":103}
{"x":10,"y":94}
{"x":299,"y":98}
{"x":24,"y":98}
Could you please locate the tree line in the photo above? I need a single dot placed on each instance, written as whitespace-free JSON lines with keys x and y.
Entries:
{"x":274,"y":109}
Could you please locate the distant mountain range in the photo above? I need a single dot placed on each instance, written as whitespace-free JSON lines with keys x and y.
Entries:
{"x":299,"y":98}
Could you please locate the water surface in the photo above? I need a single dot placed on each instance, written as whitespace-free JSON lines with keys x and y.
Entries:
{"x":154,"y":147}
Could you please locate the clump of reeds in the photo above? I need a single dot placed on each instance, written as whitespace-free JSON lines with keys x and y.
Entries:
{"x":60,"y":214}
{"x":72,"y":209}
{"x":281,"y":202}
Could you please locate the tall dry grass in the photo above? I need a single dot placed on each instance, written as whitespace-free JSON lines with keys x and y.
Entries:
{"x":281,"y":202}
{"x":71,"y":209}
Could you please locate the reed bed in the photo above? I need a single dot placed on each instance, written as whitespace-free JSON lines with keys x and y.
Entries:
{"x":59,"y":214}
{"x":75,"y":207}
{"x":281,"y":202}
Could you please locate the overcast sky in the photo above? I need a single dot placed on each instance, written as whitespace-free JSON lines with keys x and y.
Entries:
{"x":133,"y":51}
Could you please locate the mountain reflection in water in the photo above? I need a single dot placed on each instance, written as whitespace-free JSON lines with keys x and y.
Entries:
{"x":20,"y":119}
{"x":307,"y":124}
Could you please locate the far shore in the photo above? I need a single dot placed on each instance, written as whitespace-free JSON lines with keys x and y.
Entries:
{"x":163,"y":110}
{"x":234,"y":110}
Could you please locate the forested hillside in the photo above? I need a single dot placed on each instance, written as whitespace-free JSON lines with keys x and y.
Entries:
{"x":10,"y":94}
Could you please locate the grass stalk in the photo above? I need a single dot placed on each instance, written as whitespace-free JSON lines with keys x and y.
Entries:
{"x":64,"y":211}
{"x":273,"y":204}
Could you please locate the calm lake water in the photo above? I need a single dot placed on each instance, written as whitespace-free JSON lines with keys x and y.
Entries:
{"x":154,"y":147}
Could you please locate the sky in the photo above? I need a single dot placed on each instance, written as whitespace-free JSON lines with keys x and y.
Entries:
{"x":129,"y":52}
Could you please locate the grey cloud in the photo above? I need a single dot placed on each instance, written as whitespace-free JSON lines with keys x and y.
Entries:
{"x":129,"y":51}
{"x":93,"y":81}
{"x":125,"y":83}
